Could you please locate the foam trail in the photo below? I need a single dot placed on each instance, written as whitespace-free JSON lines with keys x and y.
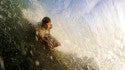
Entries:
{"x":92,"y":28}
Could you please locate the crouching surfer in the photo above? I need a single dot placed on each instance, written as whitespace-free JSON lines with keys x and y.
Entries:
{"x":43,"y":33}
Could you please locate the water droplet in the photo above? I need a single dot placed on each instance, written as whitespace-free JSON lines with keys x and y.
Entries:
{"x":37,"y":63}
{"x":1,"y":16}
{"x":51,"y":57}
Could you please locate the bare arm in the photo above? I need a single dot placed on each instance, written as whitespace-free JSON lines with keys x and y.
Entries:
{"x":45,"y":38}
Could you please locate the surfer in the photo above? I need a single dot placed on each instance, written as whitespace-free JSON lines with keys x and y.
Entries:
{"x":43,"y":33}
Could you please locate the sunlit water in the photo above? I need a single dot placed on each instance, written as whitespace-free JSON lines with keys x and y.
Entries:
{"x":85,"y":28}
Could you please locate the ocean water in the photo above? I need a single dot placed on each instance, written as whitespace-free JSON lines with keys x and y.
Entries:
{"x":86,"y":28}
{"x":91,"y":32}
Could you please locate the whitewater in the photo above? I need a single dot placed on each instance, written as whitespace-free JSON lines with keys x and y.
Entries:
{"x":91,"y":29}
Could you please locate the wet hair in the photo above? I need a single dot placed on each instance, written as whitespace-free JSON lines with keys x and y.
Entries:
{"x":44,"y":21}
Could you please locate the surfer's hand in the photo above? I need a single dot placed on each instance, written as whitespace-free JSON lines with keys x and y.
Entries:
{"x":51,"y":45}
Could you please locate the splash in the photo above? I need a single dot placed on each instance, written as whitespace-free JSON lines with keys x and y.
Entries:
{"x":94,"y":29}
{"x":34,"y":13}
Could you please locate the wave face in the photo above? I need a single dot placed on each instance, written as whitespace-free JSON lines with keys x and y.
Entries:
{"x":19,"y":48}
{"x":91,"y":32}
